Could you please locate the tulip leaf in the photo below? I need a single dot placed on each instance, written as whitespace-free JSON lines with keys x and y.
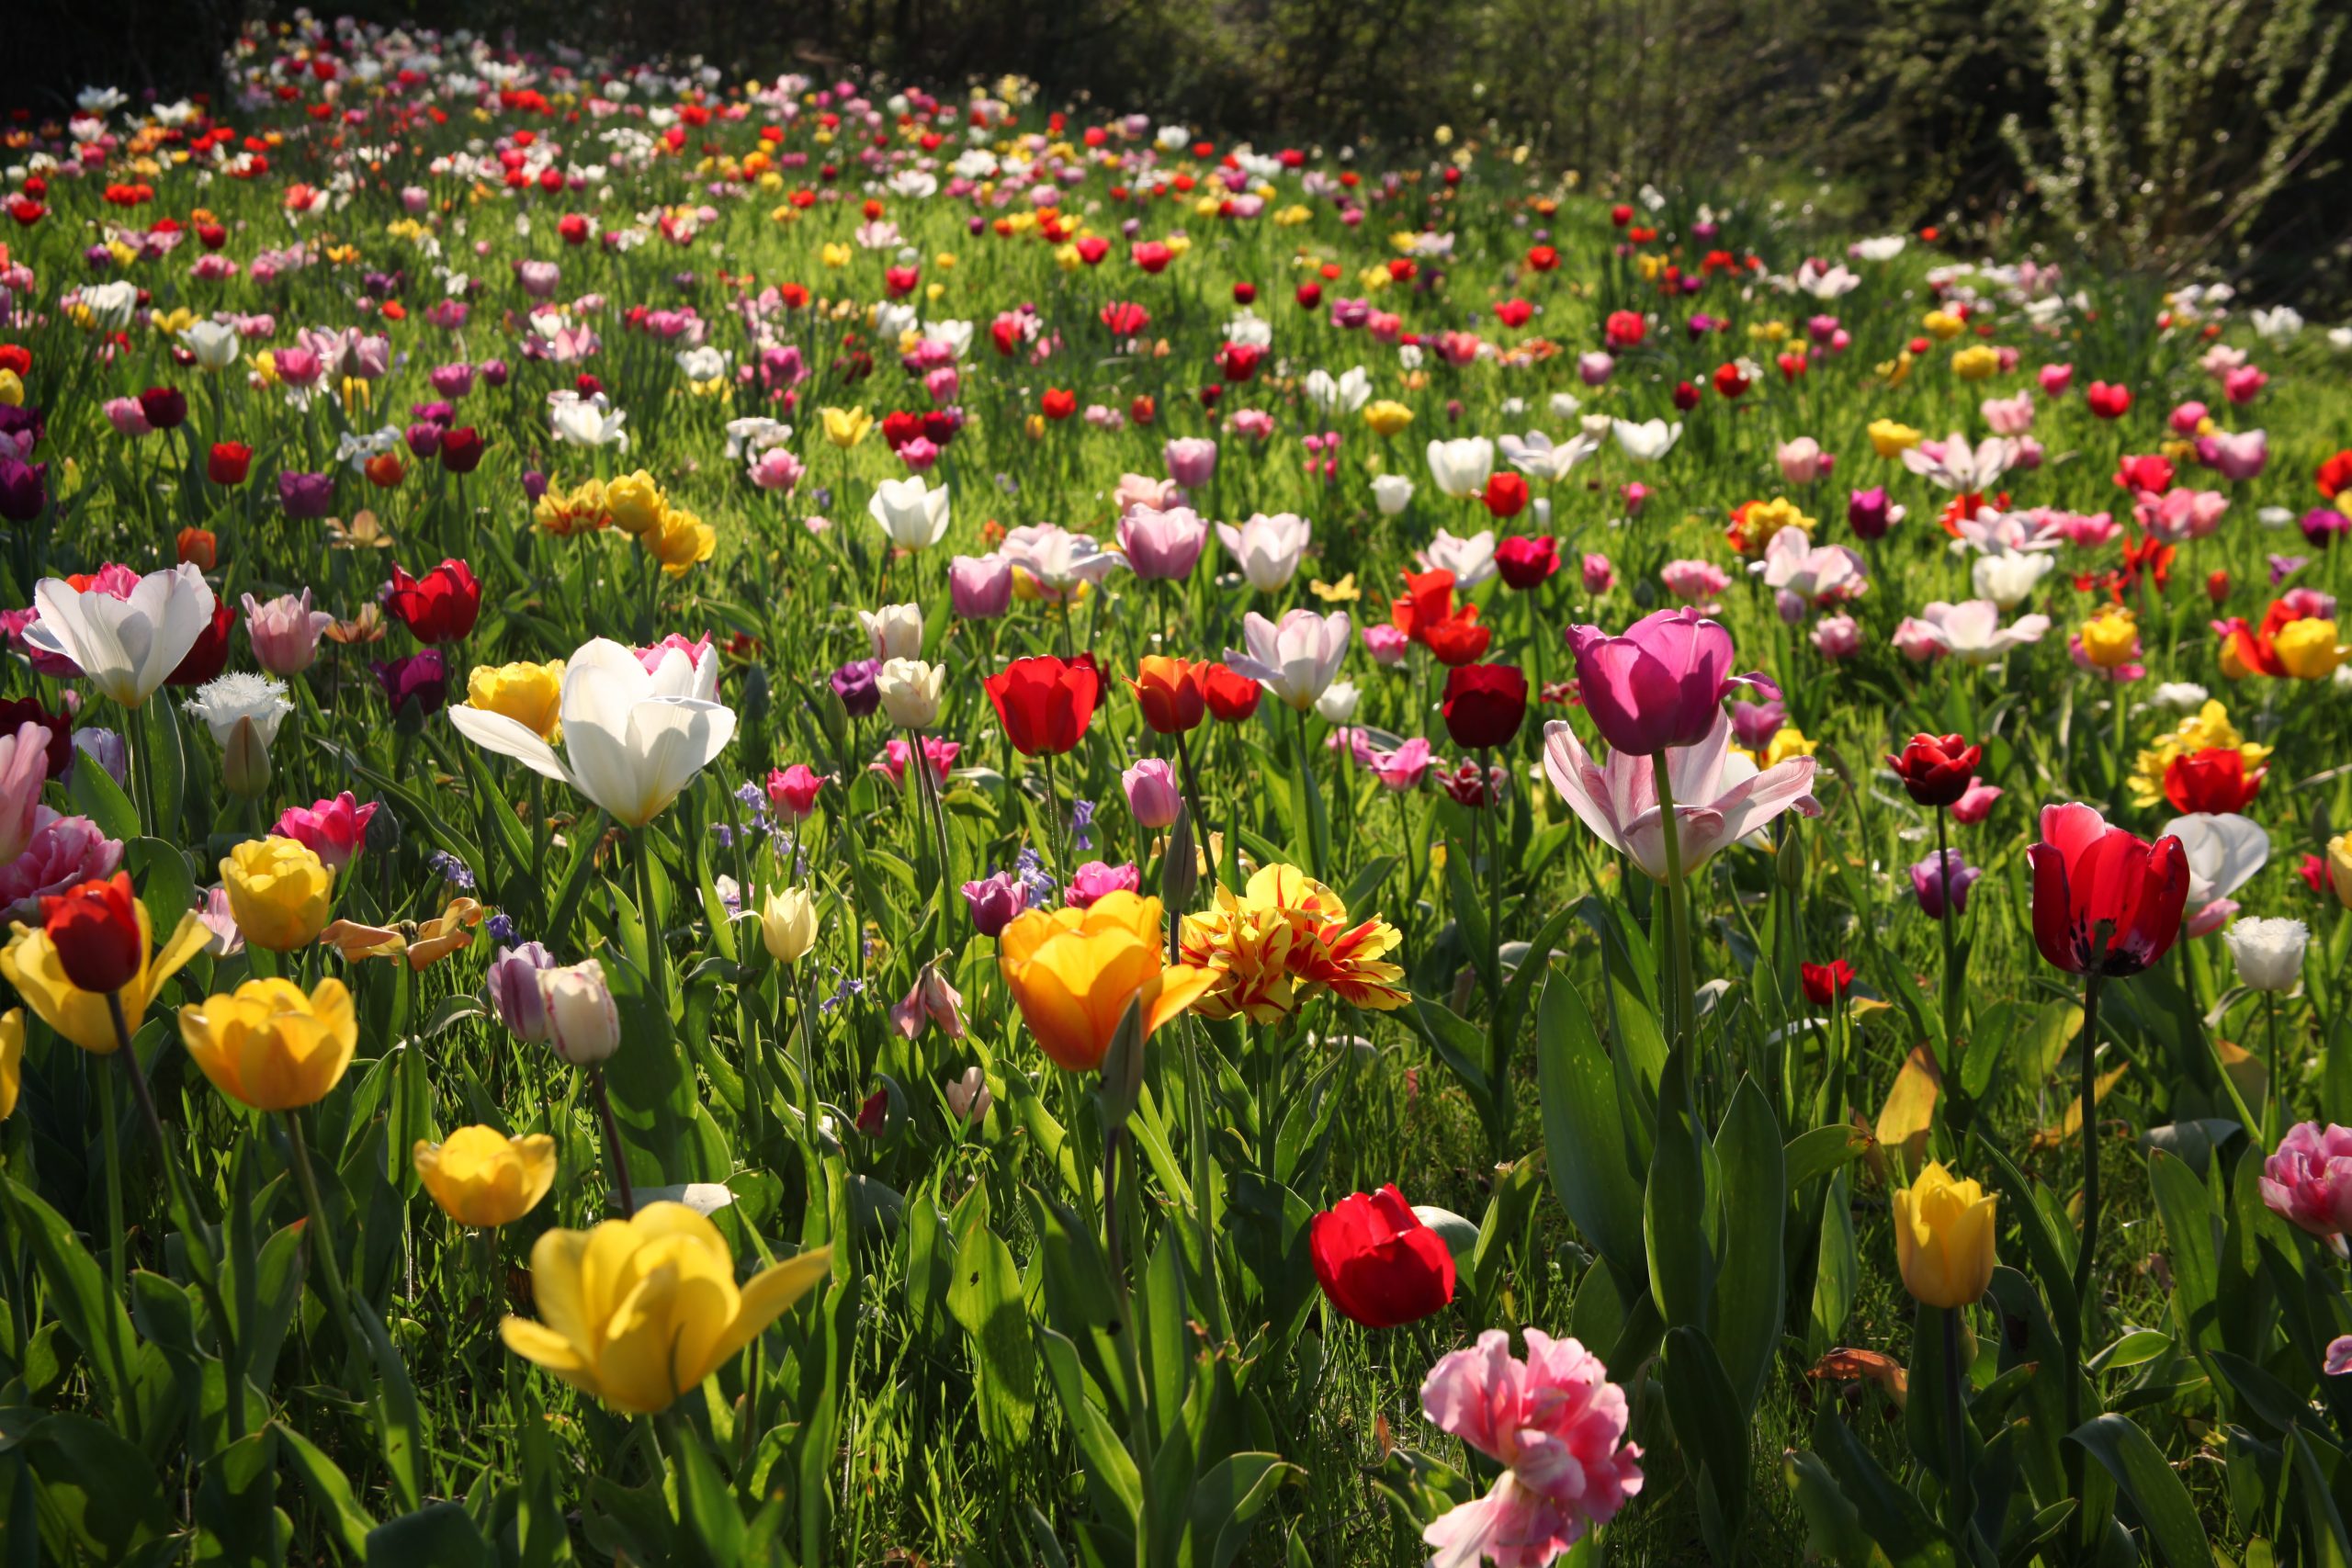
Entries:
{"x":95,"y":795}
{"x":984,"y":1299}
{"x":1677,"y":1222}
{"x":237,"y":1517}
{"x":2167,"y":1516}
{"x":399,"y":1425}
{"x":166,"y":761}
{"x":1890,"y":1516}
{"x":1749,"y":1301}
{"x":98,"y":1494}
{"x":440,"y":1536}
{"x":1817,"y":1154}
{"x":77,"y":1289}
{"x":1227,"y":1498}
{"x":331,"y":1489}
{"x":1838,"y":1268}
{"x":2192,"y":1242}
{"x":1110,"y":1472}
{"x":166,"y":886}
{"x":1711,"y":1427}
{"x":1585,"y":1148}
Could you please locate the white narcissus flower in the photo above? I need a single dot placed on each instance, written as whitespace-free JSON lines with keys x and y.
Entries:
{"x":2268,"y":952}
{"x":221,"y":704}
{"x":894,"y":631}
{"x":1648,"y":441}
{"x":1472,"y":560}
{"x":1294,"y":659}
{"x":1460,"y":467}
{"x":1537,"y":458}
{"x":125,"y":645}
{"x":1339,"y":397}
{"x":913,"y":513}
{"x":1267,"y":549}
{"x":1391,"y":493}
{"x":911,"y":691}
{"x":2006,"y":578}
{"x":1719,"y":795}
{"x":633,"y":741}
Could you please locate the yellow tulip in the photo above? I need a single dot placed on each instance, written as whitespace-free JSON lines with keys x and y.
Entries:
{"x":12,"y":1059}
{"x":846,"y":428}
{"x":1387,"y":416}
{"x":636,"y":502}
{"x":636,"y":1312}
{"x":1073,"y":972}
{"x":1943,"y":324}
{"x":788,"y":924}
{"x":1974,"y":363}
{"x":31,"y":963}
{"x":269,"y":1046}
{"x":279,"y":891}
{"x":484,"y":1179}
{"x":12,"y":390}
{"x":2110,"y":638}
{"x":1943,"y":1238}
{"x":2339,"y":868}
{"x":1890,"y":439}
{"x":530,"y":695}
{"x":682,"y":541}
{"x":2308,"y":649}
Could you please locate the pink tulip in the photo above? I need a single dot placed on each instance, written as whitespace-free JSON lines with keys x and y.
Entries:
{"x":1558,"y":1424}
{"x":1386,"y":645}
{"x":1662,"y":683}
{"x":1162,"y":546}
{"x":1719,"y":795}
{"x":2056,"y":378}
{"x":285,"y":632}
{"x":1803,"y":460}
{"x":1838,"y":636}
{"x":793,"y":790}
{"x":1153,"y":798}
{"x":1136,"y":490}
{"x":2307,"y":1180}
{"x":1192,"y":461}
{"x":24,"y":769}
{"x":2186,"y":419}
{"x":333,"y":829}
{"x":1402,"y":769}
{"x":2237,"y":456}
{"x":61,"y":852}
{"x":1976,"y":803}
{"x":1599,"y":577}
{"x":932,"y":1000}
{"x":1096,"y":879}
{"x":1693,"y":579}
{"x":2243,"y":385}
{"x":980,"y":588}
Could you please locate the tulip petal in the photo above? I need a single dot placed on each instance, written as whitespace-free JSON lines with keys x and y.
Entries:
{"x":774,"y":1291}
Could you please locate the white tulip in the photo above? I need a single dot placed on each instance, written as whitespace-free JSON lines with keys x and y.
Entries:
{"x":222,"y":703}
{"x":913,"y":515}
{"x":1472,"y":560}
{"x":1392,"y":494}
{"x":1460,"y":467}
{"x":2270,"y":953}
{"x":2007,"y":578}
{"x":1339,"y":398}
{"x":633,"y":741}
{"x":909,"y":691}
{"x":215,"y":346}
{"x":125,"y":647}
{"x":1338,"y":703}
{"x":894,"y":631}
{"x":1267,"y":549}
{"x":1648,"y":441}
{"x":1294,"y":659}
{"x":1538,"y":459}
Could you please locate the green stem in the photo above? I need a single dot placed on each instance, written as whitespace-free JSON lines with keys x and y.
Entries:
{"x":2085,"y":1258}
{"x":1957,"y":1502}
{"x":1951,"y":939}
{"x":657,"y":952}
{"x":1676,"y":966}
{"x":613,"y":1142}
{"x":330,"y":1264}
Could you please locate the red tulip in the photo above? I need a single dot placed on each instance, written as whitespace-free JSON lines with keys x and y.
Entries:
{"x":1506,"y":494}
{"x":461,"y":449}
{"x":2214,"y":780}
{"x":1935,"y":768}
{"x":95,"y":928}
{"x":1825,"y":983}
{"x":1525,"y":563}
{"x":208,"y":655}
{"x":1377,"y":1263}
{"x":1232,"y":697}
{"x":230,"y":462}
{"x":1046,"y":703}
{"x":2105,"y":901}
{"x":2109,"y":400}
{"x":440,"y":607}
{"x":1059,"y":402}
{"x":1485,"y":703}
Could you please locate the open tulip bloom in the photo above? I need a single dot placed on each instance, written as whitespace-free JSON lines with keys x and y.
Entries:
{"x":633,"y":739}
{"x":124,"y":643}
{"x":1720,"y":796}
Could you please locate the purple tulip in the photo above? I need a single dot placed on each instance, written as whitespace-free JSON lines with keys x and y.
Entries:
{"x":419,"y":678}
{"x":994,"y":900}
{"x":305,"y":496}
{"x":1942,"y":883}
{"x":853,"y":684}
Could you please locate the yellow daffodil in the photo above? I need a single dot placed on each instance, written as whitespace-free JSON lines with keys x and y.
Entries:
{"x":1943,"y":1238}
{"x":482,"y":1177}
{"x":269,"y":1046}
{"x":636,"y":1312}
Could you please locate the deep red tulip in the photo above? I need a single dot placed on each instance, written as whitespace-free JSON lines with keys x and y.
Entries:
{"x":208,"y":655}
{"x":1525,"y":563}
{"x":1046,"y":703}
{"x":2109,"y":400}
{"x":17,"y":712}
{"x":2215,"y":779}
{"x":440,"y":607}
{"x":461,"y":449}
{"x":1935,"y":768}
{"x":1458,"y":640}
{"x":229,"y":464}
{"x":1506,"y":494}
{"x":164,"y":407}
{"x":95,"y":928}
{"x":1485,"y":703}
{"x":1377,"y":1263}
{"x":2105,"y":901}
{"x":1825,"y":983}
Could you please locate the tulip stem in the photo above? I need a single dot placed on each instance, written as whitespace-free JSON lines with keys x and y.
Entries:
{"x":1956,"y":1483}
{"x":330,"y":1266}
{"x":1675,"y":966}
{"x":2087,"y":1253}
{"x":2273,"y":1102}
{"x":1949,"y":913}
{"x":656,"y":950}
{"x":612,"y":1142}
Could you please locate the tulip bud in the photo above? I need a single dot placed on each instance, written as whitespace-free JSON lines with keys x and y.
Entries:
{"x":382,"y":835}
{"x":1152,"y":795}
{"x":244,"y":761}
{"x":994,"y":901}
{"x":515,"y":994}
{"x":788,"y":924}
{"x":585,"y":1027}
{"x":1943,"y":1238}
{"x":95,"y":928}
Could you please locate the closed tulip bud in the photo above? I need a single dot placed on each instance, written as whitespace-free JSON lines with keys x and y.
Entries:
{"x":515,"y":994}
{"x":244,"y":761}
{"x":1943,"y":1238}
{"x":788,"y":924}
{"x":584,"y":1026}
{"x":909,"y":691}
{"x":484,"y":1179}
{"x":94,"y":929}
{"x":1152,"y":797}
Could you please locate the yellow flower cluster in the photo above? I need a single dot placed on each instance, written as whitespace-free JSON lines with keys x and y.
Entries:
{"x":1283,"y":938}
{"x":676,"y":537}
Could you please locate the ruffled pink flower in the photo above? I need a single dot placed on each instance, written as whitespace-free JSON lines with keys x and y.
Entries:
{"x":1558,"y":1422}
{"x":2307,"y":1180}
{"x":62,"y":852}
{"x":1400,"y":770}
{"x":896,"y":754}
{"x":333,"y":829}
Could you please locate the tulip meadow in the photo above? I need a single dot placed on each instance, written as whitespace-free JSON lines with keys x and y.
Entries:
{"x":780,"y":821}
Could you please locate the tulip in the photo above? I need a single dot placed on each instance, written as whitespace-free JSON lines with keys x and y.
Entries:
{"x":788,"y":924}
{"x":894,"y":631}
{"x":913,"y":515}
{"x":1044,"y":702}
{"x":440,"y":607}
{"x":1941,"y":882}
{"x":853,"y":684}
{"x":483,"y":1179}
{"x":980,"y":588}
{"x":909,"y":691}
{"x":1154,"y":798}
{"x":2268,"y":952}
{"x":12,"y":1060}
{"x":793,"y":791}
{"x":1192,"y":461}
{"x":1943,"y":1238}
{"x":1267,"y":549}
{"x":269,"y":1046}
{"x":331,"y":829}
{"x":633,"y":739}
{"x":1074,"y":973}
{"x":1162,"y":546}
{"x":285,"y":632}
{"x":1485,"y":703}
{"x":583,"y":1024}
{"x":1460,"y":468}
{"x":1391,"y":493}
{"x":109,"y":938}
{"x":1296,"y":659}
{"x":2307,"y":1181}
{"x":513,"y":984}
{"x":127,"y":643}
{"x":1378,"y":1263}
{"x":1720,"y":797}
{"x":2104,"y":902}
{"x":994,"y":901}
{"x":642,"y":1310}
{"x":2224,"y":852}
{"x":280,"y":891}
{"x":1936,"y":770}
{"x":1662,"y":683}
